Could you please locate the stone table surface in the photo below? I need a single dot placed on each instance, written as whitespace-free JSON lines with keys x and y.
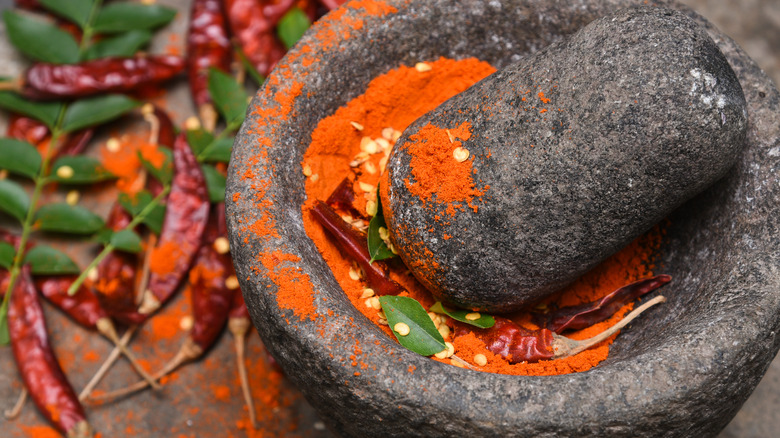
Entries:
{"x":754,"y":24}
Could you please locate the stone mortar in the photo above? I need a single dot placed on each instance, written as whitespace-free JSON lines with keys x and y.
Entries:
{"x":683,"y":369}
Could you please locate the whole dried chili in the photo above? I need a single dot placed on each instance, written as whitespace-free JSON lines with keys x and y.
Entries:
{"x":332,"y":4}
{"x":588,"y":314}
{"x":518,"y":344}
{"x":38,"y":366}
{"x":212,"y":299}
{"x":353,"y":242}
{"x":208,"y":46}
{"x":185,"y":220}
{"x":27,"y":129}
{"x":254,"y":31}
{"x":54,"y":81}
{"x":75,"y":143}
{"x":343,"y":197}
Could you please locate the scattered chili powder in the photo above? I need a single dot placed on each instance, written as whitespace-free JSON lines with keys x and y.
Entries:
{"x":164,"y":257}
{"x":395,"y":100}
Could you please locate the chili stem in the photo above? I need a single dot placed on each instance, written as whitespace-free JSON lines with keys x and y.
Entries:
{"x":27,"y":225}
{"x":110,"y":247}
{"x":112,"y":357}
{"x":240,"y":342}
{"x":11,"y":414}
{"x":248,"y":65}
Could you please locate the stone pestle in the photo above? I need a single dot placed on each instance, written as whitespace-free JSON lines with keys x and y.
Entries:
{"x":514,"y":188}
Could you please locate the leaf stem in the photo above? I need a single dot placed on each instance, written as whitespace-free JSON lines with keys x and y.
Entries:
{"x":110,"y":247}
{"x":27,"y":225}
{"x":232,"y":126}
{"x":88,"y":30}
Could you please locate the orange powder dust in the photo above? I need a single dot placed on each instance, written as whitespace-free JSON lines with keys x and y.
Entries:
{"x":394,"y":100}
{"x":295,"y":291}
{"x":438,"y":177}
{"x":164,"y":257}
{"x":124,"y":163}
{"x":41,"y":432}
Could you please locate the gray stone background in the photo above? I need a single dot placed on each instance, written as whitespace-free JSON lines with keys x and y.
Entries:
{"x":754,"y":24}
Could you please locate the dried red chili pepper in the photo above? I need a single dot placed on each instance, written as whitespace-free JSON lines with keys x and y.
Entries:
{"x":343,"y":197}
{"x":332,"y":4}
{"x":38,"y":366}
{"x":53,"y":81}
{"x":28,"y":4}
{"x":75,"y":143}
{"x":518,"y":344}
{"x":185,"y":220}
{"x":254,"y":31}
{"x":588,"y":314}
{"x":353,"y":242}
{"x":208,"y":46}
{"x":27,"y":129}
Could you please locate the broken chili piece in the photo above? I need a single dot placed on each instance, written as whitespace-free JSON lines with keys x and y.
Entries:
{"x":68,"y":81}
{"x":27,"y":129}
{"x":353,"y":242}
{"x":38,"y":366}
{"x":185,"y":220}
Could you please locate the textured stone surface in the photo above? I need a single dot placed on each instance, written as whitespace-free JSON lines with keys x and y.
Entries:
{"x":577,"y":150}
{"x":683,"y":370}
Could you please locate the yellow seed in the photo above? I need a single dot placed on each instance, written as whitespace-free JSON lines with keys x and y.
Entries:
{"x":444,"y":330}
{"x":356,"y":125}
{"x":186,"y":323}
{"x":354,"y":274}
{"x":359,"y":223}
{"x":450,"y":349}
{"x":231,"y":282}
{"x":366,"y":187}
{"x":460,"y":154}
{"x":307,"y":170}
{"x":315,"y":177}
{"x":442,"y":354}
{"x":382,"y":143}
{"x":367,"y":293}
{"x":221,"y":245}
{"x":382,"y":321}
{"x":387,"y":133}
{"x":434,"y":317}
{"x":456,"y":363}
{"x":375,"y":303}
{"x":148,"y":108}
{"x":383,"y":233}
{"x":449,"y":134}
{"x":402,"y":329}
{"x":113,"y":145}
{"x":392,"y":249}
{"x":72,"y":198}
{"x":370,"y":168}
{"x":92,"y":275}
{"x":382,"y":164}
{"x":368,"y":303}
{"x":396,"y":136}
{"x":473,"y":316}
{"x":369,"y":147}
{"x":65,"y":172}
{"x":371,"y":208}
{"x":347,"y":218}
{"x":191,"y":123}
{"x":422,"y":67}
{"x":480,"y":360}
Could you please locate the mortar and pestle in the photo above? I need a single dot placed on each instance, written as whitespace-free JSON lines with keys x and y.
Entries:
{"x":670,"y":372}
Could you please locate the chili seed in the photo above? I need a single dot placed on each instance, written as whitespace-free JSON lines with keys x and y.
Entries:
{"x":65,"y":172}
{"x":444,"y":330}
{"x":92,"y":275}
{"x":369,"y":147}
{"x":457,"y":363}
{"x":402,"y":329}
{"x":113,"y":145}
{"x":480,"y":360}
{"x":442,"y":354}
{"x":382,"y":164}
{"x":473,"y":316}
{"x":383,"y":233}
{"x":460,"y":154}
{"x":396,"y":135}
{"x":450,"y":349}
{"x":231,"y":282}
{"x":354,"y":274}
{"x":72,"y":198}
{"x":449,"y":134}
{"x":186,"y":323}
{"x":315,"y":177}
{"x":356,"y":125}
{"x":382,"y":321}
{"x":382,"y":143}
{"x":221,"y":245}
{"x":370,"y":168}
{"x":347,"y":218}
{"x":307,"y":170}
{"x":368,"y":303}
{"x":422,"y":67}
{"x":366,"y":187}
{"x":387,"y":133}
{"x":192,"y":123}
{"x":375,"y":303}
{"x":367,"y":293}
{"x":371,"y":208}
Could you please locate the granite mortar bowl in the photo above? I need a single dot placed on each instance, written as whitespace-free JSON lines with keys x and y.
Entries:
{"x":682,"y":369}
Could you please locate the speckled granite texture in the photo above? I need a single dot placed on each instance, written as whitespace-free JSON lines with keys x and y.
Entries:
{"x":683,"y":370}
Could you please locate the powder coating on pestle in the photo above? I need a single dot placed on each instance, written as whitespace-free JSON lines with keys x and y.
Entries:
{"x":572,"y":153}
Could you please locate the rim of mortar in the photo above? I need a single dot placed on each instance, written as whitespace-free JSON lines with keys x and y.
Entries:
{"x":266,"y":167}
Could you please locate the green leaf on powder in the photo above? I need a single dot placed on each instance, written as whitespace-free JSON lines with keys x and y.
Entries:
{"x":45,"y":260}
{"x":377,"y":248}
{"x":46,"y":112}
{"x":76,"y":11}
{"x":292,"y":26}
{"x":123,"y":16}
{"x":164,"y":173}
{"x":96,"y":110}
{"x":83,"y":170}
{"x":484,"y":321}
{"x":7,"y":253}
{"x":13,"y":199}
{"x":123,"y":45}
{"x":66,"y":218}
{"x":39,"y":39}
{"x":19,"y":157}
{"x":215,"y":183}
{"x":229,"y":96}
{"x":423,"y":338}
